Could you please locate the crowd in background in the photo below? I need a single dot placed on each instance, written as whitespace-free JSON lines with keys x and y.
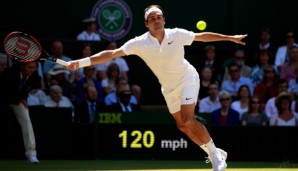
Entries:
{"x":262,"y":93}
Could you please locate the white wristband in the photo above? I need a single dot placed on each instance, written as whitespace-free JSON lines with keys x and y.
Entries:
{"x":84,"y":62}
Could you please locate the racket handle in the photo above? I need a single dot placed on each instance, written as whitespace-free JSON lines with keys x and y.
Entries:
{"x":61,"y":62}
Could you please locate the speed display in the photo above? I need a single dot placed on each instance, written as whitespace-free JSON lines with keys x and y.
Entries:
{"x":143,"y":136}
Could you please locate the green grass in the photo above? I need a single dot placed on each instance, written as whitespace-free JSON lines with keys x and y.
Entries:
{"x":142,"y":165}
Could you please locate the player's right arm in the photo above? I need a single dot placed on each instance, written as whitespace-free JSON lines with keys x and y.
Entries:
{"x":98,"y":58}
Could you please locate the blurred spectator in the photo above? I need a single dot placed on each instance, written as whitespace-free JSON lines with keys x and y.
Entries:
{"x":270,"y":108}
{"x":112,"y":97}
{"x":285,"y":116}
{"x":85,"y":110}
{"x":36,"y":95}
{"x":267,"y":88}
{"x":241,"y":105}
{"x":59,"y":76}
{"x":15,"y":85}
{"x":265,"y":41}
{"x":287,"y":70}
{"x":293,"y":84}
{"x":255,"y":115}
{"x":205,"y":81}
{"x":225,"y":115}
{"x":211,"y":102}
{"x":236,"y":80}
{"x":239,"y":58}
{"x":211,"y":61}
{"x":124,"y":103}
{"x":108,"y":84}
{"x":57,"y":52}
{"x":79,"y":73}
{"x":122,"y":64}
{"x":3,"y":62}
{"x":263,"y":59}
{"x":56,"y":98}
{"x":89,"y":33}
{"x":282,"y":54}
{"x":89,"y":80}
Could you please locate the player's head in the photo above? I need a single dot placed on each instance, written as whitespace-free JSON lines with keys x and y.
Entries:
{"x":152,"y":14}
{"x":152,"y":8}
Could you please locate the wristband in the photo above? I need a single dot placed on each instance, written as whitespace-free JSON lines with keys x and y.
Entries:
{"x":84,"y":62}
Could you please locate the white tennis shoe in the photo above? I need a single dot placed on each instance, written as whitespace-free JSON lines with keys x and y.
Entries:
{"x":33,"y":160}
{"x":218,"y":159}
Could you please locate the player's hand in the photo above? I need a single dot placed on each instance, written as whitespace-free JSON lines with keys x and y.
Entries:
{"x":238,"y":39}
{"x":73,"y":65}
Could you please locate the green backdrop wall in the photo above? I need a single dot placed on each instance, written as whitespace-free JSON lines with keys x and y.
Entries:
{"x":62,"y":19}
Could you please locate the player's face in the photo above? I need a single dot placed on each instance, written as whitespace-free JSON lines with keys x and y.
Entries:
{"x":155,"y":21}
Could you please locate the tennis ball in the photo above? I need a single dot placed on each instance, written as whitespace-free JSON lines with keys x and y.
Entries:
{"x":201,"y":25}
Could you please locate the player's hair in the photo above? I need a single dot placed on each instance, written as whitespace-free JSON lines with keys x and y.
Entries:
{"x":150,"y":6}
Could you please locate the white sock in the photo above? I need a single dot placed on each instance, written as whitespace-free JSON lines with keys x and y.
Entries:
{"x":210,"y":146}
{"x":204,"y":147}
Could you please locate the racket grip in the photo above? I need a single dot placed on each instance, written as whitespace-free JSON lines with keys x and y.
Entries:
{"x":61,"y":62}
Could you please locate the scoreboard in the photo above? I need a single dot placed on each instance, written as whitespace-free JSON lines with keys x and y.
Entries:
{"x":143,"y":136}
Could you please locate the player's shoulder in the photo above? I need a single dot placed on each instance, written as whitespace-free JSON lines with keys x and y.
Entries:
{"x":142,"y":37}
{"x":176,"y":30}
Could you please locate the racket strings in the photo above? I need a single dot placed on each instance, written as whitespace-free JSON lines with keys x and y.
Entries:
{"x":22,"y":48}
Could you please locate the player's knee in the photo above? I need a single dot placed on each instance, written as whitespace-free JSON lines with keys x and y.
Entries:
{"x":185,"y":125}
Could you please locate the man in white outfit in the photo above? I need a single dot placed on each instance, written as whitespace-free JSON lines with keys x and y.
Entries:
{"x":163,"y":51}
{"x":89,"y":34}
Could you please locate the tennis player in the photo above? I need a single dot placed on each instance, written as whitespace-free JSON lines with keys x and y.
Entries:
{"x":162,"y":50}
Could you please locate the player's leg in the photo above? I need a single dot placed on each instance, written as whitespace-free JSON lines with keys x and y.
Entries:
{"x":197,"y":132}
{"x":190,"y":126}
{"x":23,"y":118}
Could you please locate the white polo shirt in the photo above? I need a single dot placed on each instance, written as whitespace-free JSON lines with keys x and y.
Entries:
{"x":166,"y":60}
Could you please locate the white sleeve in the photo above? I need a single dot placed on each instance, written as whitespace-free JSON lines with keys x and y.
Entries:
{"x":130,"y":47}
{"x":185,"y":36}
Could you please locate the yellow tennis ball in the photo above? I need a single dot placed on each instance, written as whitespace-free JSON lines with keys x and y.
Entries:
{"x":201,"y":25}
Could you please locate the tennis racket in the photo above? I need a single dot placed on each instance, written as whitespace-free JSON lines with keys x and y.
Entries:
{"x":25,"y":48}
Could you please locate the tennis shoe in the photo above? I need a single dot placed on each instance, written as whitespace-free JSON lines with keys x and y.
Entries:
{"x":218,"y":159}
{"x":33,"y":160}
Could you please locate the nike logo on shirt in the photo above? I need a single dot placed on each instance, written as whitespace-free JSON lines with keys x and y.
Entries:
{"x":170,"y":42}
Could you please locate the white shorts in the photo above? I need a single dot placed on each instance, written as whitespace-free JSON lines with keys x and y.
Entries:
{"x":185,"y":93}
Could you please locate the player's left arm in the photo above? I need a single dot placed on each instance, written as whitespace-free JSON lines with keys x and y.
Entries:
{"x":211,"y":37}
